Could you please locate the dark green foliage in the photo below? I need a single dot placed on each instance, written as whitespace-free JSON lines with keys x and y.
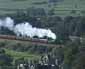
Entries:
{"x":74,"y":56}
{"x":4,"y":58}
{"x":2,"y":51}
{"x":35,"y":37}
{"x":19,"y":16}
{"x":73,"y":11}
{"x":51,"y":12}
{"x":2,"y":44}
{"x":80,"y":62}
{"x":54,"y":1}
{"x":70,"y":53}
{"x":59,"y":54}
{"x":73,"y":25}
{"x":62,"y":39}
{"x":6,"y":31}
{"x":40,"y":3}
{"x":20,"y":60}
{"x":45,"y":37}
{"x":36,"y":11}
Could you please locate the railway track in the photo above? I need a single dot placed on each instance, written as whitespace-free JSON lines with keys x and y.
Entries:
{"x":30,"y":42}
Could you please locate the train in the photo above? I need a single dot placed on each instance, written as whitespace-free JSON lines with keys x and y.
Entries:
{"x":21,"y":38}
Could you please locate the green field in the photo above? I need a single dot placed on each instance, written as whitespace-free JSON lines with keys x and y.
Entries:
{"x":63,"y":7}
{"x":25,"y":55}
{"x":12,"y":5}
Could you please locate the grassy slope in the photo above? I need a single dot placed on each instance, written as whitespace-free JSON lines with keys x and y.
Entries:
{"x":17,"y":55}
{"x":70,"y":5}
{"x":63,"y":5}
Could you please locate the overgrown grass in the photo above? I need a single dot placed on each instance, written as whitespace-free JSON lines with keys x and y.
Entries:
{"x":25,"y":55}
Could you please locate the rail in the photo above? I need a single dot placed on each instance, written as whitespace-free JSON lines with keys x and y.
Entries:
{"x":34,"y":43}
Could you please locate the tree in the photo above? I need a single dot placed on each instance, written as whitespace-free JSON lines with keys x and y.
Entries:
{"x":36,"y":11}
{"x":4,"y":58}
{"x":70,"y":53}
{"x":79,"y":62}
{"x":51,"y":12}
{"x":35,"y":36}
{"x":45,"y":37}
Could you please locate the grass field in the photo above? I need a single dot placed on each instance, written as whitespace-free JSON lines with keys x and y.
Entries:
{"x":61,"y":8}
{"x":18,"y":54}
{"x":25,"y":55}
{"x":22,"y":55}
{"x":12,"y":4}
{"x":14,"y":47}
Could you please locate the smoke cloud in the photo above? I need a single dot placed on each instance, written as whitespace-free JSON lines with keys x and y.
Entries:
{"x":7,"y":22}
{"x":26,"y":29}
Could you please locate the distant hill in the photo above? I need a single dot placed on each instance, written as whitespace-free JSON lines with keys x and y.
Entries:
{"x":60,"y":7}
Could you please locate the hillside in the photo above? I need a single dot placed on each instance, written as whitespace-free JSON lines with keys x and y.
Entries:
{"x":65,"y":18}
{"x":60,"y":7}
{"x":24,"y":49}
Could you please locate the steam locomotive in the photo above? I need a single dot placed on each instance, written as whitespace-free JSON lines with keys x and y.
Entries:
{"x":21,"y":38}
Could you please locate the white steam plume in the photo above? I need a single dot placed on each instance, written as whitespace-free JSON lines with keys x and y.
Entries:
{"x":25,"y":29}
{"x":7,"y":22}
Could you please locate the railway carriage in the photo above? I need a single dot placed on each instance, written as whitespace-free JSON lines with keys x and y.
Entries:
{"x":37,"y":40}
